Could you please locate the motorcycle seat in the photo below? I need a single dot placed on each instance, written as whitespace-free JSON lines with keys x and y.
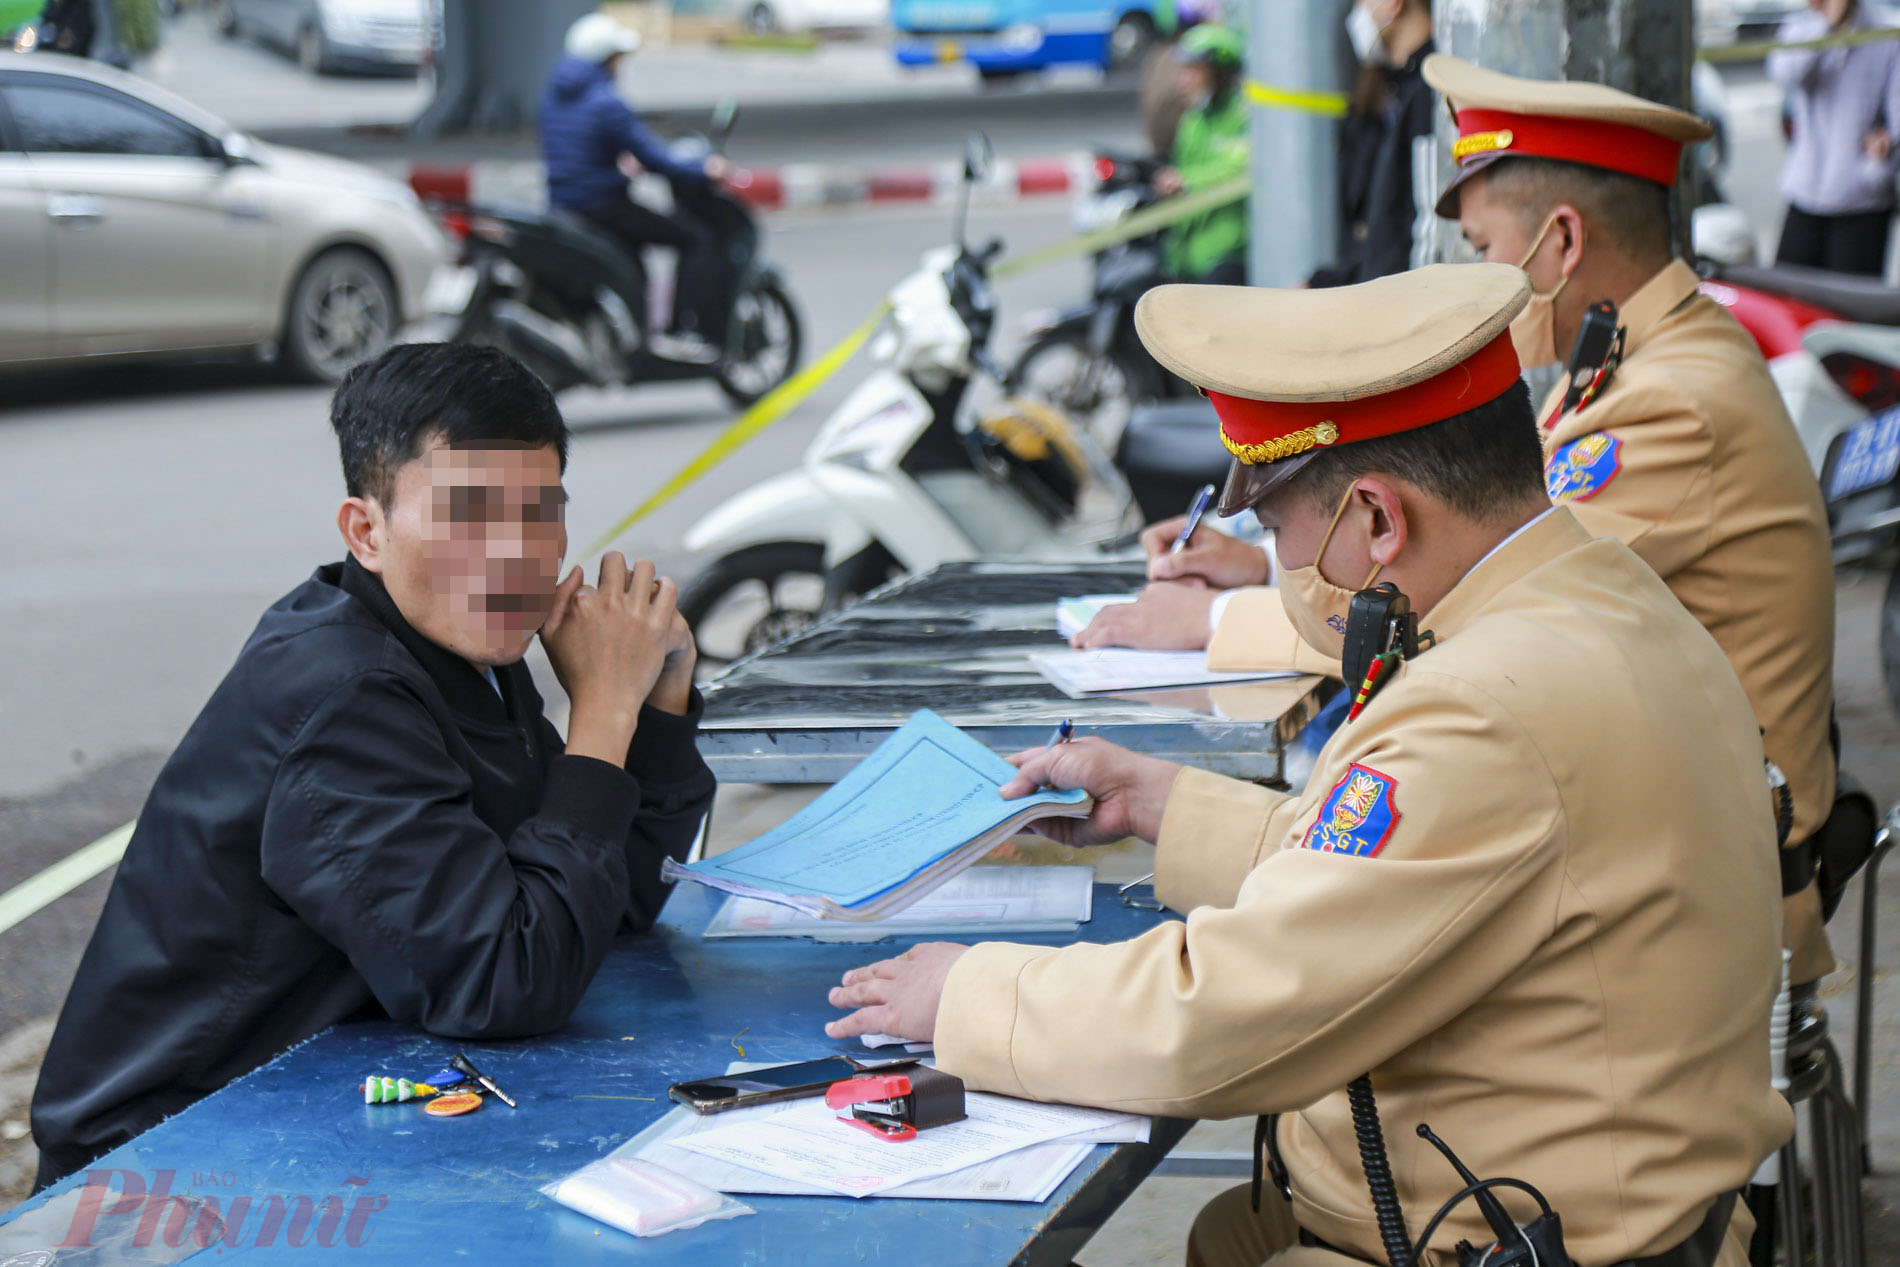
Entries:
{"x":1167,"y":451}
{"x":1864,"y":299}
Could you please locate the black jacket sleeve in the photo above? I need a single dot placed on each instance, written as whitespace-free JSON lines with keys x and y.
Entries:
{"x":371,"y":837}
{"x":676,"y":793}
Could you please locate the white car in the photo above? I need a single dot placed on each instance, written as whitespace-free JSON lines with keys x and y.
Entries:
{"x":334,"y":35}
{"x":768,"y":16}
{"x":134,"y":224}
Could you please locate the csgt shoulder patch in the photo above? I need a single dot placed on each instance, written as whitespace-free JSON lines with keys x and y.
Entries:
{"x":1358,"y":815}
{"x":1583,"y":468}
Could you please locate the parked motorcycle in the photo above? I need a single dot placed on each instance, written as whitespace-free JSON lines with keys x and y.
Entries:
{"x":1087,"y":360}
{"x":564,"y":296}
{"x":902,"y":476}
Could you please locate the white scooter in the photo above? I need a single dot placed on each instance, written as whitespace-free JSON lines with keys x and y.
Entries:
{"x":902,"y":478}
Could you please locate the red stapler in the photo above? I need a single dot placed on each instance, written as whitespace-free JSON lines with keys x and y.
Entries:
{"x":895,"y":1106}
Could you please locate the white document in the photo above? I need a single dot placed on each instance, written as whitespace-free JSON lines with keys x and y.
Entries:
{"x":1079,"y":673}
{"x":1028,"y":1174}
{"x":1074,"y":614}
{"x":982,"y":900}
{"x":875,"y":1041}
{"x":807,"y":1143}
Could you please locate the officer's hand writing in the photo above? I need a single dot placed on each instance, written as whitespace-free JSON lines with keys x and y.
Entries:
{"x":1211,"y":556}
{"x":1130,"y":790}
{"x":897,"y":996}
{"x":1879,"y":144}
{"x":1169,"y":616}
{"x":608,"y":644}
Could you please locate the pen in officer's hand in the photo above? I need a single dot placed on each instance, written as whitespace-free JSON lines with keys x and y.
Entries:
{"x":1196,"y":509}
{"x":1061,"y":734}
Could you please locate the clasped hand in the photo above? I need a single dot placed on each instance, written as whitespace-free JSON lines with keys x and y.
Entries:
{"x":614,"y":646}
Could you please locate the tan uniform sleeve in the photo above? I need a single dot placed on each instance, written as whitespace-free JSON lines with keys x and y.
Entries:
{"x":1255,"y":636}
{"x":1641,"y":474}
{"x":1326,"y":964}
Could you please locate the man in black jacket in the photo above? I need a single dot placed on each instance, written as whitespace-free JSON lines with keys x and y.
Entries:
{"x":1392,"y":107}
{"x":371,"y":817}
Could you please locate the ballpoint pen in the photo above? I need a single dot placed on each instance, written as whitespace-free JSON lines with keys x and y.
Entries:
{"x":1196,"y":509}
{"x":1061,"y":734}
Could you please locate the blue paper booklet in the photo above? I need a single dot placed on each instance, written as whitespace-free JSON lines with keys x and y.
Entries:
{"x":919,"y":809}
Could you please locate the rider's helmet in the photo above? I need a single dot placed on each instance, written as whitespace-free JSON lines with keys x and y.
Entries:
{"x":597,"y":37}
{"x":1217,"y":47}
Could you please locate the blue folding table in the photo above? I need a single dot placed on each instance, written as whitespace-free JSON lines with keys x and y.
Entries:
{"x":666,"y":1007}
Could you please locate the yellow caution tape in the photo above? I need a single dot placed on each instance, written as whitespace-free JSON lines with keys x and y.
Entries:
{"x":794,"y":391}
{"x":1139,"y":225}
{"x":767,"y":410}
{"x":1331,"y":105}
{"x":1755,"y":52}
{"x":35,"y":892}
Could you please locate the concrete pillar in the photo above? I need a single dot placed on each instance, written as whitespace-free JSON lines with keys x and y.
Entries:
{"x":494,"y":62}
{"x":1640,"y":46}
{"x":1294,"y":45}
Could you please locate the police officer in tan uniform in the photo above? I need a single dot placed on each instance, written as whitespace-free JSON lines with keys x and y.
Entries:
{"x":1685,"y":452}
{"x":1531,"y":888}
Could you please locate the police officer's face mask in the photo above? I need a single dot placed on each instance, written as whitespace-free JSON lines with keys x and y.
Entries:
{"x":1315,"y":605}
{"x":1534,"y":332}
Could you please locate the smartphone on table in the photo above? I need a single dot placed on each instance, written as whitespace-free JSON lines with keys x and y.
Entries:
{"x":776,"y":1082}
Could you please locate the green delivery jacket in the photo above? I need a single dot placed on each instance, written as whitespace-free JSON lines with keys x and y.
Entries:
{"x":1210,"y":147}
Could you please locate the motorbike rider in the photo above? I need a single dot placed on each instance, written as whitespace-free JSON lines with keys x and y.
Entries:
{"x":587,"y":131}
{"x":1210,"y":147}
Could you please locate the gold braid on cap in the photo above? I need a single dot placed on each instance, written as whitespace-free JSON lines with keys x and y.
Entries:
{"x":1286,"y":446}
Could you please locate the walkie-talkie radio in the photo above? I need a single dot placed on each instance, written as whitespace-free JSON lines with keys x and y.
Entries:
{"x":1593,"y":357}
{"x":1381,"y":629}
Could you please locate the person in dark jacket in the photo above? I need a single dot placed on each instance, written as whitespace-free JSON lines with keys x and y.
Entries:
{"x":1391,"y":109}
{"x":372,"y":817}
{"x":586,"y":131}
{"x":73,"y":25}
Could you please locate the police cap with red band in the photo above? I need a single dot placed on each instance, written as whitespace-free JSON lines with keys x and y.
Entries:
{"x":1292,"y":373}
{"x":1501,"y":116}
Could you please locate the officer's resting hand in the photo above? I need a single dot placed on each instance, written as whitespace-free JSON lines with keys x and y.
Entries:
{"x":897,"y":996}
{"x":1169,"y":616}
{"x":1130,"y":790}
{"x":1210,"y":556}
{"x":608,"y":644}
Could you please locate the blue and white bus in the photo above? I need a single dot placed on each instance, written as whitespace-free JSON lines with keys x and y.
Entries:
{"x":1007,"y":37}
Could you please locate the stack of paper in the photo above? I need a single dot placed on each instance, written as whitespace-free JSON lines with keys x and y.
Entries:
{"x":1074,"y":614}
{"x":1005,"y":1150}
{"x":919,"y":809}
{"x":1079,"y":673}
{"x":982,"y":901}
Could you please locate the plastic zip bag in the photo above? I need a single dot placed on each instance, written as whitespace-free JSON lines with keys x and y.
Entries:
{"x":641,"y":1197}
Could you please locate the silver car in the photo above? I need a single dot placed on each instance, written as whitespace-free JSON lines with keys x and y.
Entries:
{"x":134,"y":224}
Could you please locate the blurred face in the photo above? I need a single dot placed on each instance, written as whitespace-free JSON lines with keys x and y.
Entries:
{"x":471,"y":550}
{"x":1194,"y":82}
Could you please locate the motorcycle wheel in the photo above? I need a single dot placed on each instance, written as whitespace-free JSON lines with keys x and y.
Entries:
{"x":1890,"y":640}
{"x":1055,"y":368}
{"x":762,"y":345}
{"x":751,"y":598}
